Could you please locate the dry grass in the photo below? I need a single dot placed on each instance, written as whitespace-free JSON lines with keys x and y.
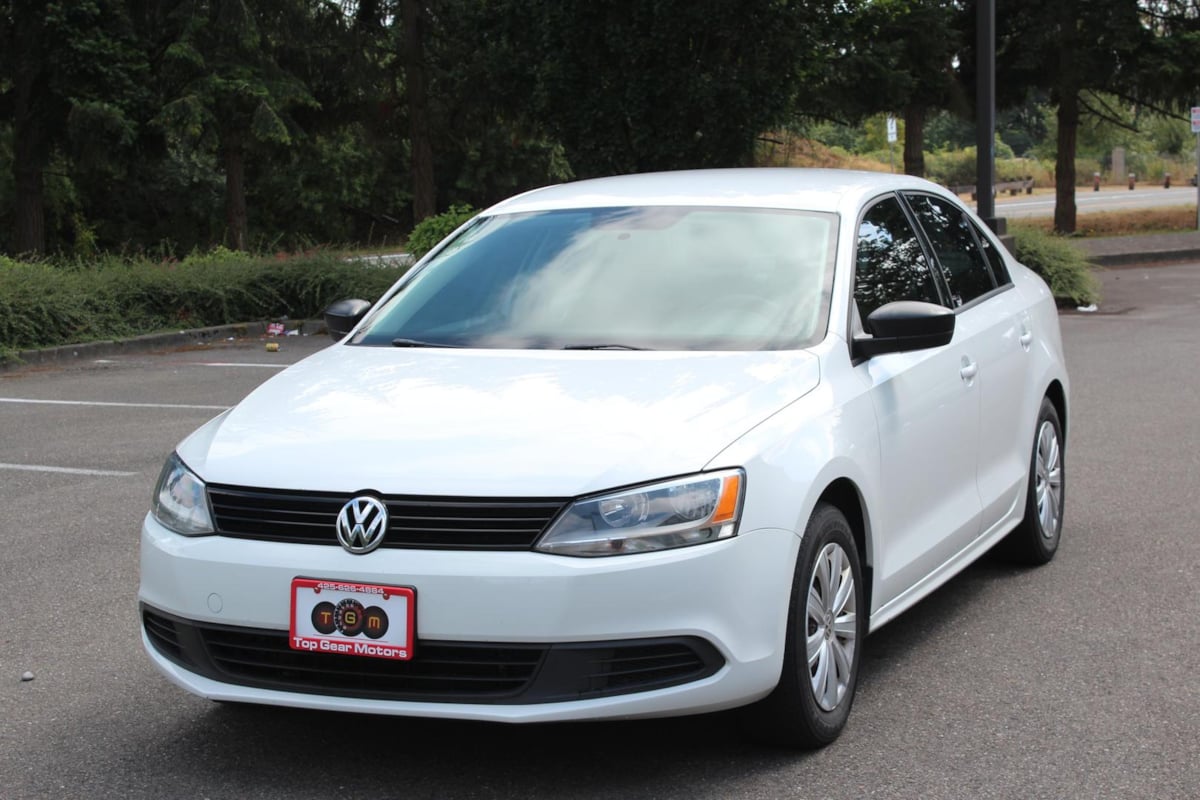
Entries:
{"x":1176,"y":219}
{"x":782,"y":149}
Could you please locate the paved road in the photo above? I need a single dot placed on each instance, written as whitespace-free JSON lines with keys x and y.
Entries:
{"x":1110,"y":198}
{"x":1077,"y":680}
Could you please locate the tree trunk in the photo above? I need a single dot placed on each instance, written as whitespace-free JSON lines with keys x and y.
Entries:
{"x":235,"y":191}
{"x":30,"y":148}
{"x":29,"y":231}
{"x":1064,"y":170}
{"x":1066,"y":92}
{"x":420,"y":141}
{"x":914,"y":141}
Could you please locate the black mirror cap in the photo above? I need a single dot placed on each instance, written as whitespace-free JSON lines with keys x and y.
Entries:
{"x":342,"y":316}
{"x":904,"y":326}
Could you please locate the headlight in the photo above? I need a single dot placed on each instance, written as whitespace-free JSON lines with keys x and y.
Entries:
{"x":678,"y":513}
{"x":180,"y":501}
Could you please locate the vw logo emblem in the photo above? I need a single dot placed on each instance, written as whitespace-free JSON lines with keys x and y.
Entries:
{"x":361,"y":524}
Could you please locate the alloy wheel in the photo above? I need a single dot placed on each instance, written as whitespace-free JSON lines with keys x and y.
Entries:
{"x":832,"y":626}
{"x":1048,"y":480}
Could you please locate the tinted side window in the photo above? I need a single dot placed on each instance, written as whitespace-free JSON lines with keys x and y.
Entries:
{"x":963,"y":264}
{"x":890,"y":264}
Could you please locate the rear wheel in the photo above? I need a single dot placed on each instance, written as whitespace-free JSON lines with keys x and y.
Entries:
{"x":1035,"y":540}
{"x":825,"y":628}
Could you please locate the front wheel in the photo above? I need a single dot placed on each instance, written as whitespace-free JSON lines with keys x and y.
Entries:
{"x":827,"y":622}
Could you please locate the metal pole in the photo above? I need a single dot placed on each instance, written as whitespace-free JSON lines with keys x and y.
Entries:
{"x":1198,"y":181}
{"x":985,"y":113}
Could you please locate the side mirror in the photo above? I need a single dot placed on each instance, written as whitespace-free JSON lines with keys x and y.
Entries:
{"x":903,"y":326}
{"x":342,"y":316}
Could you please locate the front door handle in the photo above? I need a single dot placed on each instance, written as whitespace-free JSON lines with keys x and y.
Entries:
{"x":969,"y":370}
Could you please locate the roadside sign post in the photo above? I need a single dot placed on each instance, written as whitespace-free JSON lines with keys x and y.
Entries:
{"x":891,"y":137}
{"x":1196,"y":130}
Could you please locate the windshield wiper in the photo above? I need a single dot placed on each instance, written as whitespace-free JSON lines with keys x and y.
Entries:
{"x":402,"y":342}
{"x":604,"y":347}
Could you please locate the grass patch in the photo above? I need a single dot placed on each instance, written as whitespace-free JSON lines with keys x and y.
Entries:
{"x":48,"y":303}
{"x":785,"y":150}
{"x":1175,"y":219}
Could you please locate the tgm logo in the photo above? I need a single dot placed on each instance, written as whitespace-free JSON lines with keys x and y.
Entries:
{"x":361,"y":524}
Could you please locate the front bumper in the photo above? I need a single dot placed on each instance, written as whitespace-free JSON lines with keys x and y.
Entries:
{"x":728,"y":599}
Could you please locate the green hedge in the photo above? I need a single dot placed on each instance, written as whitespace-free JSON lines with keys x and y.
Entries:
{"x":1059,"y":262}
{"x":45,"y":303}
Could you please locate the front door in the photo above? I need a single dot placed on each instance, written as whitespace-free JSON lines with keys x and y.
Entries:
{"x":927,"y":406}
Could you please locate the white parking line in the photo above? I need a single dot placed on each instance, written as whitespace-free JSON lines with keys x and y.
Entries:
{"x":241,"y":364}
{"x":100,"y":403}
{"x":198,"y":363}
{"x":66,"y":470}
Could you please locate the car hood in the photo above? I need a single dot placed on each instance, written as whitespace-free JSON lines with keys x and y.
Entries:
{"x":493,"y":423}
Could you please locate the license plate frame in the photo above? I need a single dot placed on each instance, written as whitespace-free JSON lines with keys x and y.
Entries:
{"x":352,"y":618}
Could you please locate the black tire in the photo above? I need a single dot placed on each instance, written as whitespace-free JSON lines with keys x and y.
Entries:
{"x":1036,"y":539}
{"x":792,"y":715}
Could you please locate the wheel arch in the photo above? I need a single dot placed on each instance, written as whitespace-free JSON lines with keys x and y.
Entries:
{"x":1058,"y":396}
{"x":843,"y":494}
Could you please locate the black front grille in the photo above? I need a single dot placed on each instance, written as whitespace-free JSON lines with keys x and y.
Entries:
{"x":452,"y":523}
{"x":635,"y":665}
{"x":260,"y":657}
{"x":162,"y":634}
{"x":452,"y":672}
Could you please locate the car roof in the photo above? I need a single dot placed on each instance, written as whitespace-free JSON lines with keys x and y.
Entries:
{"x":828,"y":190}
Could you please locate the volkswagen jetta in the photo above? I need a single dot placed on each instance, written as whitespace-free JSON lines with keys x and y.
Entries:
{"x":630,"y":447}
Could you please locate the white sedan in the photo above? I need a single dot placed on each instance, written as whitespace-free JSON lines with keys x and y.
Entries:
{"x":630,"y":447}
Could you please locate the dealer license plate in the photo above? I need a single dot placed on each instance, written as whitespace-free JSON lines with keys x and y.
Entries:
{"x":354,"y":619}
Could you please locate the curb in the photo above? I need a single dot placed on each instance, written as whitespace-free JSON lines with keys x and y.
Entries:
{"x":1142,"y":258}
{"x":66,"y":354}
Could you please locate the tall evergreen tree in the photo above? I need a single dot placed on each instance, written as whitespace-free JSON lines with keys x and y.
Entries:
{"x":63,"y":66}
{"x":227,"y":88}
{"x":897,"y":56}
{"x":633,"y":86}
{"x":415,"y":19}
{"x":398,"y":34}
{"x":1075,"y":50}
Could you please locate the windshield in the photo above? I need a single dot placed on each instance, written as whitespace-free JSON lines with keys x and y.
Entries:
{"x":683,"y":278}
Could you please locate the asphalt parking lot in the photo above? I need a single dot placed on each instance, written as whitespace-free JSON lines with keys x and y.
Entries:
{"x":1078,"y":679}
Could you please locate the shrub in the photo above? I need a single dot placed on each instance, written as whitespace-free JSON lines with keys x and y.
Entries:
{"x":43,"y":303}
{"x":1059,"y":262}
{"x":957,"y":168}
{"x":951,"y":168}
{"x":432,"y":230}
